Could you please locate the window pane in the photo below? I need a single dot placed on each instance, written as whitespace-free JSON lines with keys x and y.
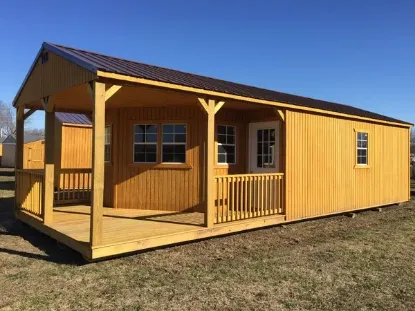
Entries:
{"x":180,"y":149}
{"x":221,"y":149}
{"x":231,"y":158}
{"x":231,"y":140}
{"x":139,"y":138}
{"x":259,"y":161}
{"x":139,"y":148}
{"x":180,"y":128}
{"x":151,"y":138}
{"x":139,"y":129}
{"x":107,"y":153}
{"x":139,"y":157}
{"x":168,"y":148}
{"x":231,"y":130}
{"x":179,"y":158}
{"x":259,"y":148}
{"x":230,"y":149}
{"x":151,"y":129}
{"x":259,"y":135}
{"x":151,"y":157}
{"x":222,"y":139}
{"x":272,"y":135}
{"x":180,"y":138}
{"x":221,"y":129}
{"x":168,"y":128}
{"x":266,"y":135}
{"x":167,"y":138}
{"x":221,"y":158}
{"x":168,"y":157}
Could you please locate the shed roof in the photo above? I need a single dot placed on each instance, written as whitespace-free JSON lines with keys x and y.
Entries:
{"x":95,"y":62}
{"x":73,"y":118}
{"x":11,"y":139}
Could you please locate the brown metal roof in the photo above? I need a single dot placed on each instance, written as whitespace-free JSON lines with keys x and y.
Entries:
{"x":73,"y":118}
{"x":94,"y":62}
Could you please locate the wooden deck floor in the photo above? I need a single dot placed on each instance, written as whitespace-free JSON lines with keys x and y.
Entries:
{"x":120,"y":225}
{"x":128,"y":230}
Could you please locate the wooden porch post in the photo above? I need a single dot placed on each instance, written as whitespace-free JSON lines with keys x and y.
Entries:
{"x":48,"y":185}
{"x":18,"y":160}
{"x":98,"y":145}
{"x":211,"y":108}
{"x":19,"y":137}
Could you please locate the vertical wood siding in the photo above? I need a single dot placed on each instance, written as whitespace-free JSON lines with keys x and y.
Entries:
{"x":76,"y":147}
{"x":143,"y":186}
{"x":55,"y":75}
{"x":321,"y":156}
{"x":34,"y":155}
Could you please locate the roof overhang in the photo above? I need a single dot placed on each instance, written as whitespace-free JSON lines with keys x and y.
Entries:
{"x":171,"y":86}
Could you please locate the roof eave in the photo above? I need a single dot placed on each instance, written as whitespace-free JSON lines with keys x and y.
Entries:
{"x":127,"y":78}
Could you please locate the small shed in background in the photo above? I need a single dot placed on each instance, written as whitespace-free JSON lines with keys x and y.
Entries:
{"x":32,"y":154}
{"x":73,"y":139}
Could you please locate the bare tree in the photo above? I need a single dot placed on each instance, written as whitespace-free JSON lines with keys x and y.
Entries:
{"x":7,"y":119}
{"x":35,"y":131}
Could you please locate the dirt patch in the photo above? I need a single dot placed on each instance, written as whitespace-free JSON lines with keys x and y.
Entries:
{"x":336,"y":263}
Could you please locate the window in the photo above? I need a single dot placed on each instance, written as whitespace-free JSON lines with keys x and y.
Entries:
{"x":173,"y":143}
{"x":362,"y":144}
{"x":107,"y":151}
{"x":226,"y":136}
{"x":145,"y":143}
{"x":265,"y":148}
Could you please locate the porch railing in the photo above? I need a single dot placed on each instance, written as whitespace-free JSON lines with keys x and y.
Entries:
{"x":74,"y":186}
{"x":247,"y":196}
{"x":29,"y":190}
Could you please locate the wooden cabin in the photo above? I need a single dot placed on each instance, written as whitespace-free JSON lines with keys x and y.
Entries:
{"x":179,"y":157}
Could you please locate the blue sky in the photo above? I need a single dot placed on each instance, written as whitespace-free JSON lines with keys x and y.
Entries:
{"x":360,"y":53}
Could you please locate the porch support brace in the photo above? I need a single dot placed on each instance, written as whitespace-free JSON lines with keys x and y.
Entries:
{"x":281,"y":114}
{"x":48,"y":184}
{"x":28,"y":114}
{"x":211,"y":108}
{"x":98,"y":142}
{"x":111,"y":91}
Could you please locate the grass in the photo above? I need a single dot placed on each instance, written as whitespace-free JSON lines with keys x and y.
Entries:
{"x":336,"y":263}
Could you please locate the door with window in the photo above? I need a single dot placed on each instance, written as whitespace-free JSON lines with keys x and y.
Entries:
{"x":264,"y":154}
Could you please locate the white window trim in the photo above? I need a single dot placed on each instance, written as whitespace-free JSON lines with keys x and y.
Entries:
{"x":220,"y":144}
{"x":362,"y":148}
{"x":174,"y":144}
{"x":145,"y":143}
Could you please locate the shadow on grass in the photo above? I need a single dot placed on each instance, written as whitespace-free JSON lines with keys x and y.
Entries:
{"x":54,"y":251}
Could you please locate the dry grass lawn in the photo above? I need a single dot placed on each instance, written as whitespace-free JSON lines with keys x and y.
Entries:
{"x":337,"y":263}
